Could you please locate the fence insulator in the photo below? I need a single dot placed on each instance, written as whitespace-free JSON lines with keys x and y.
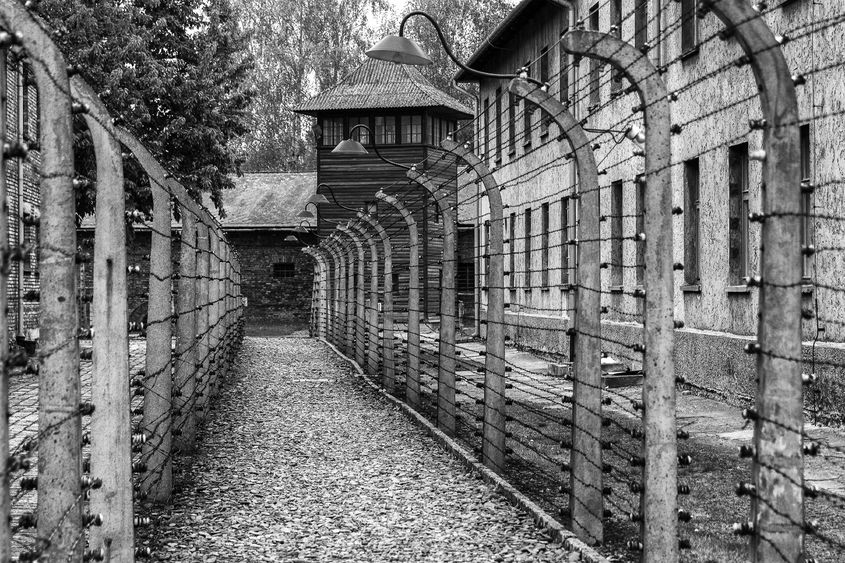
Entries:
{"x":138,"y":411}
{"x":634,"y":516}
{"x":638,"y":348}
{"x":141,"y":521}
{"x":812,"y":449}
{"x":811,"y":491}
{"x":638,"y":152}
{"x":677,"y":266}
{"x":811,"y":526}
{"x":635,"y":487}
{"x":606,"y":401}
{"x":799,"y":79}
{"x":743,"y":529}
{"x":757,"y":217}
{"x":684,"y":460}
{"x":86,"y":465}
{"x":809,"y":378}
{"x":604,"y":310}
{"x":607,"y":513}
{"x":752,"y":348}
{"x":28,"y":520}
{"x":638,"y":292}
{"x":144,"y":552}
{"x":753,"y":281}
{"x":682,"y":435}
{"x":92,"y":520}
{"x":607,"y":491}
{"x":636,"y":461}
{"x":634,"y":545}
{"x":758,"y":155}
{"x":15,"y":150}
{"x":98,"y":554}
{"x":744,"y":489}
{"x":139,"y":467}
{"x":749,"y":414}
{"x":139,"y":438}
{"x":87,"y":482}
{"x":683,"y":489}
{"x":86,"y":438}
{"x":637,"y":433}
{"x":808,"y":250}
{"x":78,"y":108}
{"x":684,"y":515}
{"x":606,"y":468}
{"x":86,"y":409}
{"x":29,"y":483}
{"x":678,"y":324}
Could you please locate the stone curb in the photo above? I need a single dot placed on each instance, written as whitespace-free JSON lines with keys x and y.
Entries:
{"x":542,"y":519}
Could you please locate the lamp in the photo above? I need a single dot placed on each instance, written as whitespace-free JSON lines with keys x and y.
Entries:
{"x":317,"y":199}
{"x":331,"y":193}
{"x":305,"y":214}
{"x":291,"y":238}
{"x":401,"y":50}
{"x":352,"y":147}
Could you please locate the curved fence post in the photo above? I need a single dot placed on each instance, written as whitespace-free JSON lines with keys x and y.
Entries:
{"x":186,"y":331}
{"x":341,"y":292}
{"x":111,"y":449}
{"x":59,"y":457}
{"x":359,"y":292}
{"x":157,"y":481}
{"x":660,"y":503}
{"x":5,"y":477}
{"x":586,"y":504}
{"x":493,"y":447}
{"x":389,"y":373}
{"x":372,"y":310}
{"x":412,"y":380}
{"x":446,"y":357}
{"x":777,"y":467}
{"x":334,"y":297}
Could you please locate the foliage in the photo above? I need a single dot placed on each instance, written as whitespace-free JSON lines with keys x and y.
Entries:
{"x":300,"y":47}
{"x":172,"y":72}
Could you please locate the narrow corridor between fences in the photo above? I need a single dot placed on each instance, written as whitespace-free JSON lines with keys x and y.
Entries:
{"x":302,"y":460}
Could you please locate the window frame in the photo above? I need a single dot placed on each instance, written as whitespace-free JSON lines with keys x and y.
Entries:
{"x":544,"y":245}
{"x":526,"y":251}
{"x":739,"y":267}
{"x":564,"y":241}
{"x":689,"y":24}
{"x":617,"y":198}
{"x":692,"y":222}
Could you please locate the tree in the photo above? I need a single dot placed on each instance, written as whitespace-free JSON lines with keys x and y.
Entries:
{"x":173,"y":73}
{"x":300,"y":47}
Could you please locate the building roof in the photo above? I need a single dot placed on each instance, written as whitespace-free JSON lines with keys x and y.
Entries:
{"x":493,"y":43}
{"x":257,"y":202}
{"x":263,"y":201}
{"x":383,"y":85}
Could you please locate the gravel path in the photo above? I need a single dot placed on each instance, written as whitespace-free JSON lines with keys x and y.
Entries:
{"x":301,"y":461}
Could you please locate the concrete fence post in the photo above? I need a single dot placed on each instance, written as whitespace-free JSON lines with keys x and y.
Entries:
{"x":494,"y":432}
{"x":360,"y":308}
{"x":203,"y":363}
{"x":157,"y":480}
{"x":111,"y":450}
{"x":777,"y":468}
{"x":448,"y":297}
{"x":186,"y":331}
{"x":586,"y":504}
{"x":5,"y":496}
{"x":340,"y":306}
{"x":59,"y":454}
{"x":412,"y":380}
{"x":387,"y":352}
{"x":372,"y":309}
{"x":659,"y":526}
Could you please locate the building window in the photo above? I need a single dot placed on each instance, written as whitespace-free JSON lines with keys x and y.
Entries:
{"x":527,"y":249}
{"x":544,"y":78}
{"x":544,"y":245}
{"x":385,"y":130}
{"x":738,"y":213}
{"x":616,"y":233}
{"x":692,"y":272}
{"x":806,"y":195}
{"x":332,"y":131}
{"x":511,"y":123}
{"x":486,"y":132}
{"x":564,"y":241}
{"x":498,"y":124}
{"x":595,"y":65}
{"x":512,"y":250}
{"x":411,"y":127}
{"x":527,"y":112}
{"x":361,"y":134}
{"x":563,"y":61}
{"x":639,"y":246}
{"x":640,"y":23}
{"x":284,"y":270}
{"x":395,"y":281}
{"x":689,"y":27}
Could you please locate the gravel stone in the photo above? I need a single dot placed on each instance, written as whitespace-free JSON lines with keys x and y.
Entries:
{"x":301,"y":461}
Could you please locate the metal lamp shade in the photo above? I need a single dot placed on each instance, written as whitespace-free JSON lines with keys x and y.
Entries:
{"x":400,"y":50}
{"x":318,"y":199}
{"x":349,"y":146}
{"x":300,"y":229}
{"x":291,"y":238}
{"x":305,"y":214}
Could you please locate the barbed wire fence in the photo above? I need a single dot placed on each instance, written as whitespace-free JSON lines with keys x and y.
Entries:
{"x":94,"y":447}
{"x":595,"y":434}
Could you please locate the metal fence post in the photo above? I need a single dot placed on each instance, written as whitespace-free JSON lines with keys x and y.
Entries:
{"x":372,"y":309}
{"x":586,"y":504}
{"x":111,"y":450}
{"x":446,"y":356}
{"x":494,"y":433}
{"x":777,"y":468}
{"x":660,"y":503}
{"x":157,"y":481}
{"x":389,"y":369}
{"x":186,"y":331}
{"x":59,"y":452}
{"x":412,"y":380}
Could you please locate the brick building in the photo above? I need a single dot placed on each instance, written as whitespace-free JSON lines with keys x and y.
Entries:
{"x":260,"y":218}
{"x":22,"y":197}
{"x":713,"y":178}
